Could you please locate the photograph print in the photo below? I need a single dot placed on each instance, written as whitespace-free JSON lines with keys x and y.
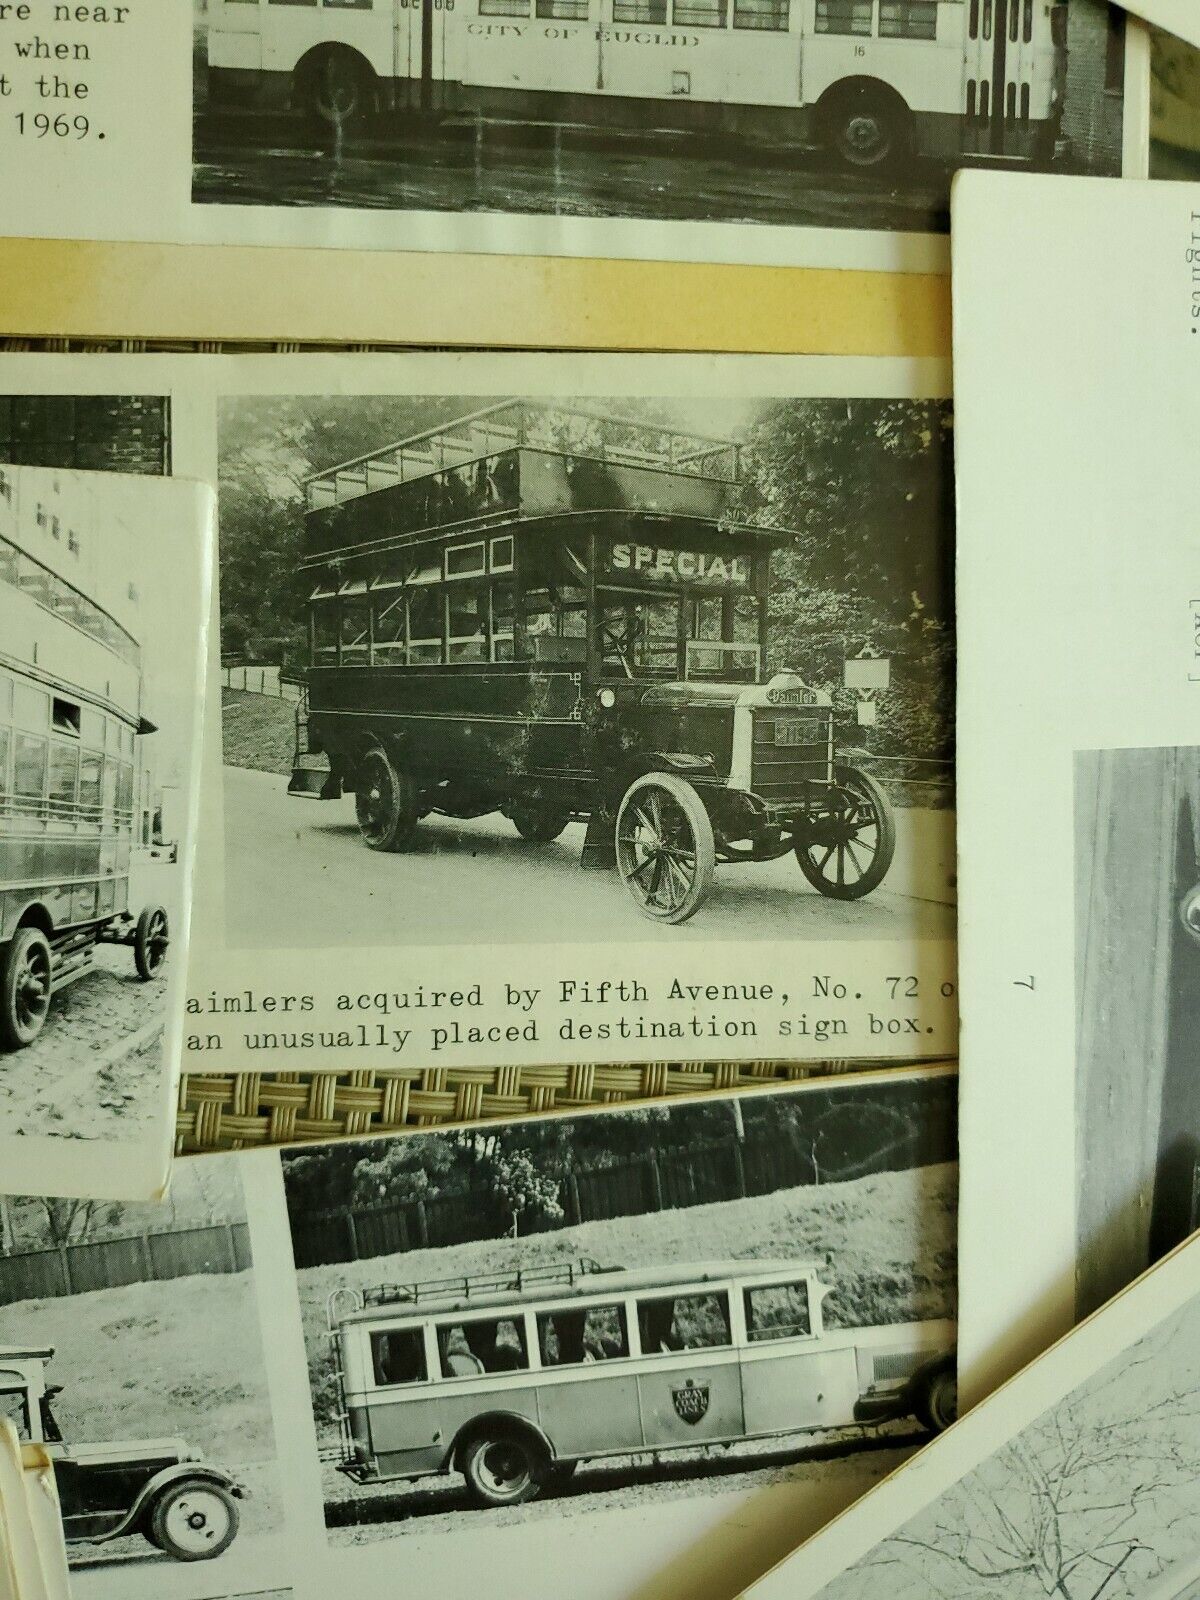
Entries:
{"x":130,"y":1348}
{"x":529,"y":671}
{"x":103,"y":584}
{"x":846,"y":114}
{"x":611,"y":1312}
{"x":1137,"y":820}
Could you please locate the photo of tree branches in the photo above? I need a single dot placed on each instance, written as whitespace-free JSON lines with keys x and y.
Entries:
{"x":1099,"y":1499}
{"x":864,"y":487}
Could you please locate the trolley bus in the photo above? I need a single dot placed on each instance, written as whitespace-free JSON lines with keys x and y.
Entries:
{"x":866,"y":79}
{"x":70,"y":722}
{"x":556,"y":614}
{"x":513,"y":1378}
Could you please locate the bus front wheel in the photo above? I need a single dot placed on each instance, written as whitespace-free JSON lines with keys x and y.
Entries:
{"x":26,"y":983}
{"x":865,"y":125}
{"x":151,"y":939}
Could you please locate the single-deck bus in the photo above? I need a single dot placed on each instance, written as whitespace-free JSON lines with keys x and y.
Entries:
{"x":70,"y":718}
{"x":513,"y":1378}
{"x":868,"y":79}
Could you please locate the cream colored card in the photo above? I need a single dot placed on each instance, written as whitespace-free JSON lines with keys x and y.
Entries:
{"x":1078,"y":719}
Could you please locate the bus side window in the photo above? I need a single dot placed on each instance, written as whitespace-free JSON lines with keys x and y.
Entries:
{"x":684,"y":1322}
{"x":14,"y":1405}
{"x":593,"y":1333}
{"x":398,"y":1356}
{"x":471,"y":1349}
{"x":778,"y":1311}
{"x":844,"y":16}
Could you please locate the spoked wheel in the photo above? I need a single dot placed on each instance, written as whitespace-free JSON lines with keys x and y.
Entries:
{"x":849,"y":849}
{"x":504,"y":1469}
{"x":386,"y":803}
{"x":538,"y":823}
{"x":151,"y":940}
{"x":665,"y":850}
{"x":194,"y":1521}
{"x":26,"y":983}
{"x":937,"y":1406}
{"x":1189,"y":913}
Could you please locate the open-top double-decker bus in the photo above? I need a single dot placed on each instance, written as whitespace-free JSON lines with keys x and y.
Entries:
{"x":555,"y":614}
{"x":70,"y":718}
{"x":867,"y":79}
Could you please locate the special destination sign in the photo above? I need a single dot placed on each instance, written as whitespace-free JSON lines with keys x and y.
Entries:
{"x":661,"y":564}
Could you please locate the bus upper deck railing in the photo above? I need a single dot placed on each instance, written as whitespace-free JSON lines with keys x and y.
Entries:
{"x":510,"y":424}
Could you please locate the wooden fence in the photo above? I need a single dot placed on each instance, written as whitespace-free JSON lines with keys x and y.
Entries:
{"x":656,"y":1180}
{"x":137,"y":1258}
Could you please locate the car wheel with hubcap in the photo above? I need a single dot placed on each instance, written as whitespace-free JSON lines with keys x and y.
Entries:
{"x":151,"y":938}
{"x":538,"y":822}
{"x":504,"y":1469}
{"x":194,"y":1520}
{"x":866,"y":126}
{"x":846,"y":850}
{"x":666,"y":854}
{"x":386,"y":803}
{"x":26,"y":984}
{"x":937,"y":1400}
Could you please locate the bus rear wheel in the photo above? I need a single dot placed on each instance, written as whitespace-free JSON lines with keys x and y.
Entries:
{"x":386,"y":803}
{"x":337,"y":89}
{"x":26,"y":983}
{"x":865,"y":125}
{"x":851,"y":847}
{"x":504,"y":1469}
{"x":151,"y":939}
{"x":937,"y":1403}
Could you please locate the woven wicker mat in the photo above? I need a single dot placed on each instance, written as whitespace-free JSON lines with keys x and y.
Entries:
{"x":241,"y":1110}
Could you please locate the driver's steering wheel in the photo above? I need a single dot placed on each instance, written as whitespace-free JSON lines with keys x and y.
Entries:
{"x":618,"y":639}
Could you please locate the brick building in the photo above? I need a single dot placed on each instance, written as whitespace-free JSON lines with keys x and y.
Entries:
{"x":95,"y":433}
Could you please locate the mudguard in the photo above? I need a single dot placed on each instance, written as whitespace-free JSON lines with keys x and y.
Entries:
{"x":162,"y":1480}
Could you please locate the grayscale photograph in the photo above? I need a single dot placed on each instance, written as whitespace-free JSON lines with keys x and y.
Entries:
{"x":1137,"y":840}
{"x":101,"y":574}
{"x":529,"y":671}
{"x":610,"y":1312}
{"x":846,"y":114}
{"x":1098,"y":1499}
{"x":130,"y":1350}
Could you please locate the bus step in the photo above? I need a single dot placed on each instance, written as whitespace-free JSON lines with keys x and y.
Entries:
{"x":599,"y":844}
{"x":315,"y":783}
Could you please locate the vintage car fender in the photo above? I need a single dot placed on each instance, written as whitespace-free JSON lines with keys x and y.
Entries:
{"x":513,"y":1419}
{"x":684,"y":764}
{"x":162,"y":1480}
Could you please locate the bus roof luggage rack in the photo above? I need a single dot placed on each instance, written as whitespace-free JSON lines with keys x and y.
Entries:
{"x":539,"y":425}
{"x":555,"y":1274}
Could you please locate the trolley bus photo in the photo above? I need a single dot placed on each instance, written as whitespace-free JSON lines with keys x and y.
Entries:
{"x":866,"y":79}
{"x":73,"y":771}
{"x":556,"y":615}
{"x":839,"y":113}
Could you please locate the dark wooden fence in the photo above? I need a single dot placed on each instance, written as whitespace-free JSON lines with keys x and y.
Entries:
{"x":655,"y":1180}
{"x":137,"y":1258}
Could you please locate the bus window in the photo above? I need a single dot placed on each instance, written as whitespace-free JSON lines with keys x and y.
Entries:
{"x":356,"y":633}
{"x":767,"y":15}
{"x":503,"y":596}
{"x":684,"y":1322}
{"x":908,"y":19}
{"x":398,"y":1356}
{"x":31,"y":708}
{"x":594,"y":1333}
{"x":844,"y":16}
{"x":470,"y":1349}
{"x":503,"y":8}
{"x":651,"y":11}
{"x":778,"y":1311}
{"x":14,"y":1408}
{"x":325,"y":633}
{"x":29,"y":768}
{"x":390,"y":631}
{"x":64,"y":776}
{"x":467,"y":561}
{"x":425,"y":625}
{"x":466,"y":613}
{"x":698,"y":13}
{"x":562,"y":10}
{"x":90,"y":765}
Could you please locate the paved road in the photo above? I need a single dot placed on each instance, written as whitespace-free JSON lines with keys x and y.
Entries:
{"x":269,"y":158}
{"x":131,"y":1569}
{"x":297,"y":876}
